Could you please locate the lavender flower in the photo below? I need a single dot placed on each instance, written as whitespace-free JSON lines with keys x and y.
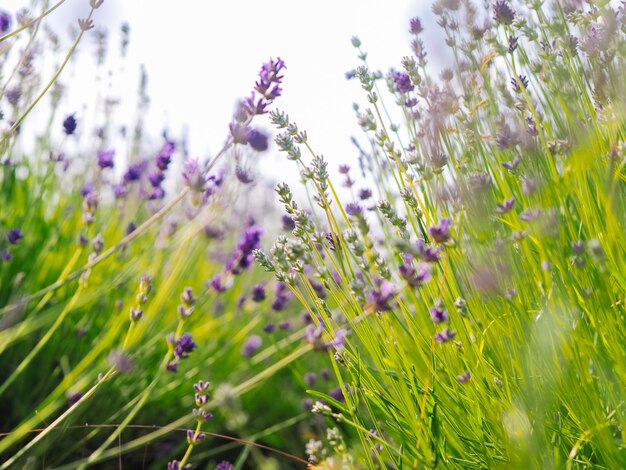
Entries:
{"x":5,"y":22}
{"x":243,"y":175}
{"x":219,"y":284}
{"x":427,"y":253}
{"x":313,"y":336}
{"x":250,"y":240}
{"x":14,"y":236}
{"x":194,"y":438}
{"x":365,"y":193}
{"x":184,"y":346}
{"x":257,"y":140}
{"x":13,"y":94}
{"x":414,"y":277}
{"x":224,"y":465}
{"x":512,"y":165}
{"x":445,"y":335}
{"x":165,"y":155}
{"x":439,"y":314}
{"x":156,"y":178}
{"x":464,"y":377}
{"x":69,"y":125}
{"x":441,"y":231}
{"x":416,"y":26}
{"x":309,"y":379}
{"x":354,"y":209}
{"x":288,"y":223}
{"x":258,"y":293}
{"x":269,"y":79}
{"x":285,"y":325}
{"x":381,"y":296}
{"x":268,"y":86}
{"x":175,"y":465}
{"x":192,"y":175}
{"x":120,"y":361}
{"x":105,"y":159}
{"x":519,"y":83}
{"x":505,"y":206}
{"x":336,"y":394}
{"x":502,"y":13}
{"x":253,"y":343}
{"x":402,"y":82}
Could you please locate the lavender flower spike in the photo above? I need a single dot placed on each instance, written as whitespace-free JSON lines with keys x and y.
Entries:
{"x":14,"y":236}
{"x":441,"y":231}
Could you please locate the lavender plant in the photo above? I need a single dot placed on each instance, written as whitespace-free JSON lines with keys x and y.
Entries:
{"x":97,"y":243}
{"x":476,"y":276}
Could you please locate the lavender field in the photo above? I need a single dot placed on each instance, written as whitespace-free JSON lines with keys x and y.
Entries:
{"x":449,"y":293}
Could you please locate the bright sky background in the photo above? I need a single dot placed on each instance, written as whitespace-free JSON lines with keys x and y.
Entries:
{"x":202,"y":55}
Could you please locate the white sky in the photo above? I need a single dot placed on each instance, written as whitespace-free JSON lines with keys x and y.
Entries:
{"x":201,"y":56}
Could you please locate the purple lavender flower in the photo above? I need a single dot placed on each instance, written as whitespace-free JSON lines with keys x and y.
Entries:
{"x":219,"y":284}
{"x":165,"y":155}
{"x":309,"y":379}
{"x":243,"y":175}
{"x":502,"y":13}
{"x":175,"y":465}
{"x":415,"y":26}
{"x":239,"y":133}
{"x":14,"y":236}
{"x":250,"y":240}
{"x":285,"y":325}
{"x":156,"y":178}
{"x":269,"y":81}
{"x":5,"y":22}
{"x":339,"y":340}
{"x":13,"y":94}
{"x":192,"y":175}
{"x":365,"y":193}
{"x":184,"y":346}
{"x":5,"y":255}
{"x":133,"y":173}
{"x":344,"y":169}
{"x":381,"y":296}
{"x":402,"y":82}
{"x":410,"y":102}
{"x":464,"y":377}
{"x":253,"y":343}
{"x":257,"y":140}
{"x":120,"y":361}
{"x":441,"y":231}
{"x":74,"y":398}
{"x":69,"y":125}
{"x":519,"y":83}
{"x":279,"y":303}
{"x":87,"y":189}
{"x":505,"y":206}
{"x":156,"y":194}
{"x":438,"y":314}
{"x":354,"y":209}
{"x":412,"y":276}
{"x":512,"y":165}
{"x":269,"y":328}
{"x":288,"y":223}
{"x":105,"y":159}
{"x":258,"y":293}
{"x":336,"y":394}
{"x":445,"y":335}
{"x":224,"y":465}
